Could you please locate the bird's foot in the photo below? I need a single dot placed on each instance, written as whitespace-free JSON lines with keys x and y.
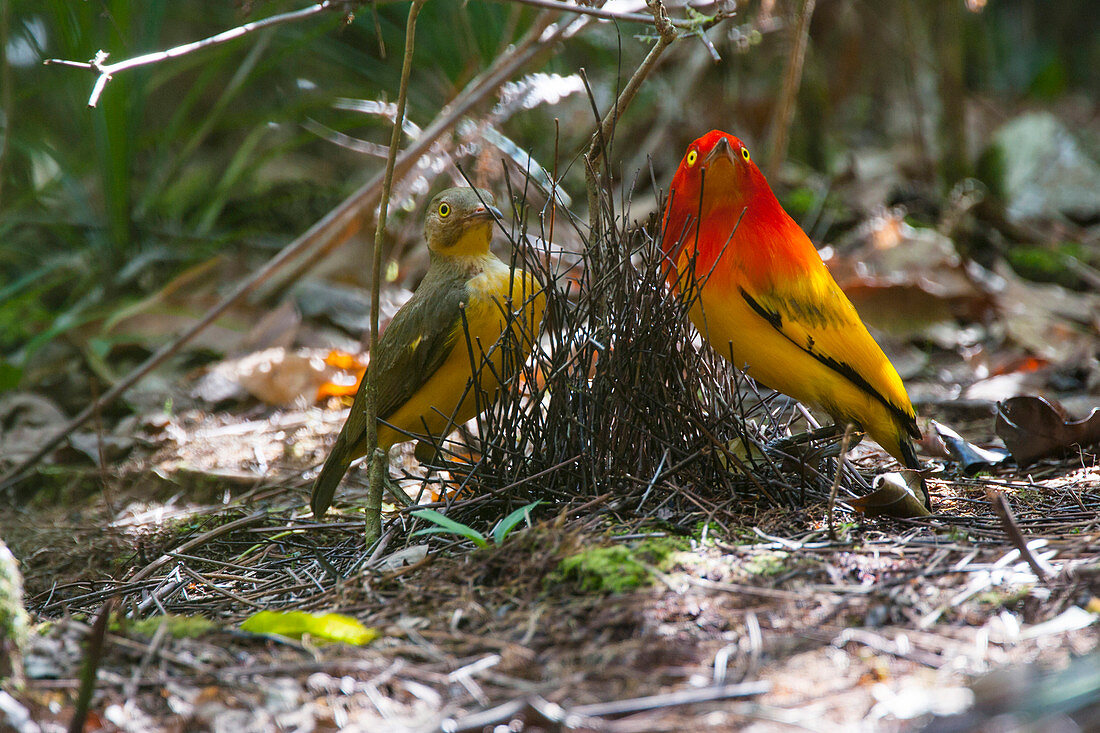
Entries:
{"x":813,"y":445}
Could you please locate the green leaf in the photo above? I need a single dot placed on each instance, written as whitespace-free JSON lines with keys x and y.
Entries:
{"x":504,"y":526}
{"x":450,"y":525}
{"x":334,"y":627}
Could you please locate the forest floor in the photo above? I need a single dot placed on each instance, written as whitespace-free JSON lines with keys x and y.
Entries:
{"x":761,"y":620}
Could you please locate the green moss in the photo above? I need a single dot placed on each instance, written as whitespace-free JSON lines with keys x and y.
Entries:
{"x":618,"y":568}
{"x":1003,"y":599}
{"x":180,"y":627}
{"x":768,"y":564}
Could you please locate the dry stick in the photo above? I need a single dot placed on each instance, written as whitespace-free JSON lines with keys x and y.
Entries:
{"x":195,"y":542}
{"x":784,"y":113}
{"x":106,"y":71}
{"x":611,"y":15}
{"x":839,"y":470}
{"x":92,"y":657}
{"x":373,"y":520}
{"x":325,"y":230}
{"x":667,"y":34}
{"x":602,"y":136}
{"x":1004,"y":511}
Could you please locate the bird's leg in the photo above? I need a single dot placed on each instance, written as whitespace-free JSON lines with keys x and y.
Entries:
{"x":426,"y":453}
{"x":802,"y":445}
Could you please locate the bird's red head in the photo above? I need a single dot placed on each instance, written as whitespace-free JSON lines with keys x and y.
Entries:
{"x":719,"y":184}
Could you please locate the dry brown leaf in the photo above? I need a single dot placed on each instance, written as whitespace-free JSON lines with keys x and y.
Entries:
{"x":892,"y":498}
{"x":277,"y":376}
{"x":1048,"y":320}
{"x":905,"y":280}
{"x":1032,"y":428}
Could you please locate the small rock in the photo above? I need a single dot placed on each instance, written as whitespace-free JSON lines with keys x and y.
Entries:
{"x":1042,"y":170}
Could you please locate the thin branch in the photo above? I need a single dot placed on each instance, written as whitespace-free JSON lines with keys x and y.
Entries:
{"x":93,"y":655}
{"x":373,"y":528}
{"x":667,"y":34}
{"x":840,"y":463}
{"x":1012,"y":529}
{"x":106,"y":71}
{"x":784,"y":112}
{"x":691,"y":25}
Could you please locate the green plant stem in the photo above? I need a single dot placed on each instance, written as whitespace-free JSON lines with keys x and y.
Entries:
{"x":373,"y":523}
{"x":92,"y":657}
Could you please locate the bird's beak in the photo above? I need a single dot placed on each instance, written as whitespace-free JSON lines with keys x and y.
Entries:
{"x":721,"y":151}
{"x":482,"y":211}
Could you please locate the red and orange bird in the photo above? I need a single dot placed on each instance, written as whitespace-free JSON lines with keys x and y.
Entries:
{"x":763,"y":298}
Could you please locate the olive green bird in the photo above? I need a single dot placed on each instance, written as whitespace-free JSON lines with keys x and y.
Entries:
{"x":423,"y":366}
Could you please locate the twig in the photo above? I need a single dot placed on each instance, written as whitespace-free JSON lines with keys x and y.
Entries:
{"x":667,"y":34}
{"x":548,"y":712}
{"x":670,"y":699}
{"x":839,"y":470}
{"x":602,"y":137}
{"x":542,"y":35}
{"x":106,"y":71}
{"x":784,"y":111}
{"x":92,"y":657}
{"x":692,"y":25}
{"x":373,"y":521}
{"x":201,"y":539}
{"x":1008,"y":521}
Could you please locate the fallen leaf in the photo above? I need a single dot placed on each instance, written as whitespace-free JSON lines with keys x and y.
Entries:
{"x":892,"y":497}
{"x":157,"y":319}
{"x":276,"y":376}
{"x":1032,"y":429}
{"x":333,"y":627}
{"x":906,"y":280}
{"x":345,"y":381}
{"x":971,"y":458}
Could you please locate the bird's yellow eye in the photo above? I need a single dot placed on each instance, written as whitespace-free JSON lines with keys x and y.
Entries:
{"x":745,"y":153}
{"x":692,"y":156}
{"x":444,"y":210}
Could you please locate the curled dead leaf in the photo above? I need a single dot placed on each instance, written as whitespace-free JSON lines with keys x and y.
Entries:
{"x":1032,"y":428}
{"x":970,"y":457}
{"x":892,"y":497}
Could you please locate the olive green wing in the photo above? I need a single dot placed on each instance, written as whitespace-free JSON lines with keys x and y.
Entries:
{"x":413,"y":347}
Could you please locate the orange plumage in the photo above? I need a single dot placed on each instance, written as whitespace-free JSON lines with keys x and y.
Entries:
{"x":764,"y":299}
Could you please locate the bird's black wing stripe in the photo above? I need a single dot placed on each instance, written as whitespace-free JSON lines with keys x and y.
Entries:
{"x":840,"y":367}
{"x":770,"y":316}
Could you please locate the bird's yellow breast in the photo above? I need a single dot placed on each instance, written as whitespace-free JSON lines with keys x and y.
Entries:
{"x":448,"y":398}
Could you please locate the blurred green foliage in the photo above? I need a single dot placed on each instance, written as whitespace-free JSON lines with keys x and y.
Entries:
{"x":207,"y":153}
{"x":196,"y":155}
